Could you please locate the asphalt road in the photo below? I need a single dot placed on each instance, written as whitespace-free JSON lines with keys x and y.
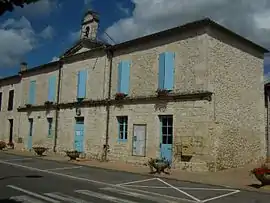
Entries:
{"x":27,"y":179}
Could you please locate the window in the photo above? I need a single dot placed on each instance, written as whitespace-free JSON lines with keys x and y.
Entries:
{"x":81,"y":84}
{"x":51,"y":88}
{"x":167,"y":129}
{"x":122,"y":128}
{"x":10,"y":100}
{"x":32,"y":92}
{"x":50,"y":120}
{"x":123,"y":77}
{"x":166,"y":71}
{"x":0,"y":101}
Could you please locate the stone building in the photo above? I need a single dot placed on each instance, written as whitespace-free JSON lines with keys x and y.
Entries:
{"x":193,"y":94}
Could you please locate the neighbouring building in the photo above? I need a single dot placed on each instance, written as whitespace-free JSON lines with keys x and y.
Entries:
{"x":193,"y":94}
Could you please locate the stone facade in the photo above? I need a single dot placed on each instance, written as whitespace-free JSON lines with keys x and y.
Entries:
{"x":225,"y":131}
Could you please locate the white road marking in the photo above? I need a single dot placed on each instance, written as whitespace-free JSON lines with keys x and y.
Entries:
{"x":64,"y":168}
{"x":138,"y":195}
{"x":65,"y":198}
{"x":33,"y":194}
{"x":26,"y":199}
{"x":137,"y":181}
{"x":93,"y":181}
{"x":19,"y":159}
{"x":183,"y":188}
{"x":183,"y":192}
{"x":220,"y":196}
{"x":103,"y":196}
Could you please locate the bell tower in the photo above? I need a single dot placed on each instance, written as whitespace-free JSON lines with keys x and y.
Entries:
{"x":89,"y":27}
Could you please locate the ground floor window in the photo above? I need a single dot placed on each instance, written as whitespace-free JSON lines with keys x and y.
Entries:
{"x":122,"y":128}
{"x":50,"y":120}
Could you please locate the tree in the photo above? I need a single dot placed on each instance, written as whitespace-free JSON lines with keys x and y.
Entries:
{"x":8,"y":5}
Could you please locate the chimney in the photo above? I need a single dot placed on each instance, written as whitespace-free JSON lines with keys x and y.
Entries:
{"x":23,"y":66}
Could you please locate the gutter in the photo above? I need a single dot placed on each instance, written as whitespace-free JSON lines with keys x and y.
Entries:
{"x":106,"y":145}
{"x":57,"y":105}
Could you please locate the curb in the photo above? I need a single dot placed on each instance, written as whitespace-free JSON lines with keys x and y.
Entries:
{"x":265,"y":190}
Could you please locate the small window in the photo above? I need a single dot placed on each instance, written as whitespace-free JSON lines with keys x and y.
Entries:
{"x":50,"y":120}
{"x":122,"y":128}
{"x":10,"y":100}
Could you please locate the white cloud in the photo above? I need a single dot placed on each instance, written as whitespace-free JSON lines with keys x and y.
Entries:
{"x":55,"y":58}
{"x":87,"y":2}
{"x":248,"y":17}
{"x":122,"y":8}
{"x":40,"y":8}
{"x":17,"y":39}
{"x":47,"y":33}
{"x":74,"y":36}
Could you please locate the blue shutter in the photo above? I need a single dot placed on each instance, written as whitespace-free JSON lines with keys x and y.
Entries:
{"x":169,"y":71}
{"x":119,"y":77}
{"x":32,"y":92}
{"x":52,"y":88}
{"x":161,"y":71}
{"x":125,"y":77}
{"x":81,"y":87}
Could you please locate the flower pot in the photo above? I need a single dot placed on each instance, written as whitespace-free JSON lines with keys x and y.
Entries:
{"x":2,"y":145}
{"x":262,"y":175}
{"x":73,"y":155}
{"x":40,"y":150}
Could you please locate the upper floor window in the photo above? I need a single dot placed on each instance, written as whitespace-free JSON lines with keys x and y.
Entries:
{"x":10,"y":100}
{"x":123,"y":77}
{"x":81,"y":84}
{"x":51,"y":88}
{"x":122,"y":128}
{"x":166,"y":71}
{"x":32,"y":92}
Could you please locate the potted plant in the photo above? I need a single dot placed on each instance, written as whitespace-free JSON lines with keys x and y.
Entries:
{"x":262,"y":174}
{"x":73,"y":154}
{"x":48,"y":103}
{"x":28,"y":105}
{"x":2,"y":145}
{"x":10,"y":145}
{"x":162,"y":92}
{"x":40,"y":150}
{"x":120,"y":95}
{"x":159,"y":165}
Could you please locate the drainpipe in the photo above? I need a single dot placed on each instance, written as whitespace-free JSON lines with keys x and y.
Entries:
{"x":267,"y":127}
{"x":57,"y":105}
{"x":105,"y":147}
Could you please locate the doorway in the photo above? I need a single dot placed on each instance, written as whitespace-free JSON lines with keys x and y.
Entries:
{"x":79,"y":134}
{"x":10,"y":130}
{"x":30,"y":135}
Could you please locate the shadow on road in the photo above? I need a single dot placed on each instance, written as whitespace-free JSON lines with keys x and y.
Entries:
{"x":28,"y":176}
{"x":9,"y":201}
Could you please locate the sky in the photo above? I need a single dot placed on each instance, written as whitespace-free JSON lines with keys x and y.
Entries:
{"x":41,"y":32}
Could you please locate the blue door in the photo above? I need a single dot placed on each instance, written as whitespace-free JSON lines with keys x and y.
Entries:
{"x":166,"y":138}
{"x":79,"y":134}
{"x":30,"y":135}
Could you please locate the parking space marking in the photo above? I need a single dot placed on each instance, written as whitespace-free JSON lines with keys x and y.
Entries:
{"x":220,"y":196}
{"x":181,"y":191}
{"x":136,"y":181}
{"x":64,"y":168}
{"x":89,"y":180}
{"x":33,"y":194}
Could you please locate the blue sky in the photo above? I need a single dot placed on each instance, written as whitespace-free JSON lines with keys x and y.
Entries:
{"x":42,"y":31}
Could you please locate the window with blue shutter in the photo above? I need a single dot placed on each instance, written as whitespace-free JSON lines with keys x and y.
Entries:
{"x":51,"y":88}
{"x":81,"y":84}
{"x":166,"y":71}
{"x":123,"y":77}
{"x":32,"y":92}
